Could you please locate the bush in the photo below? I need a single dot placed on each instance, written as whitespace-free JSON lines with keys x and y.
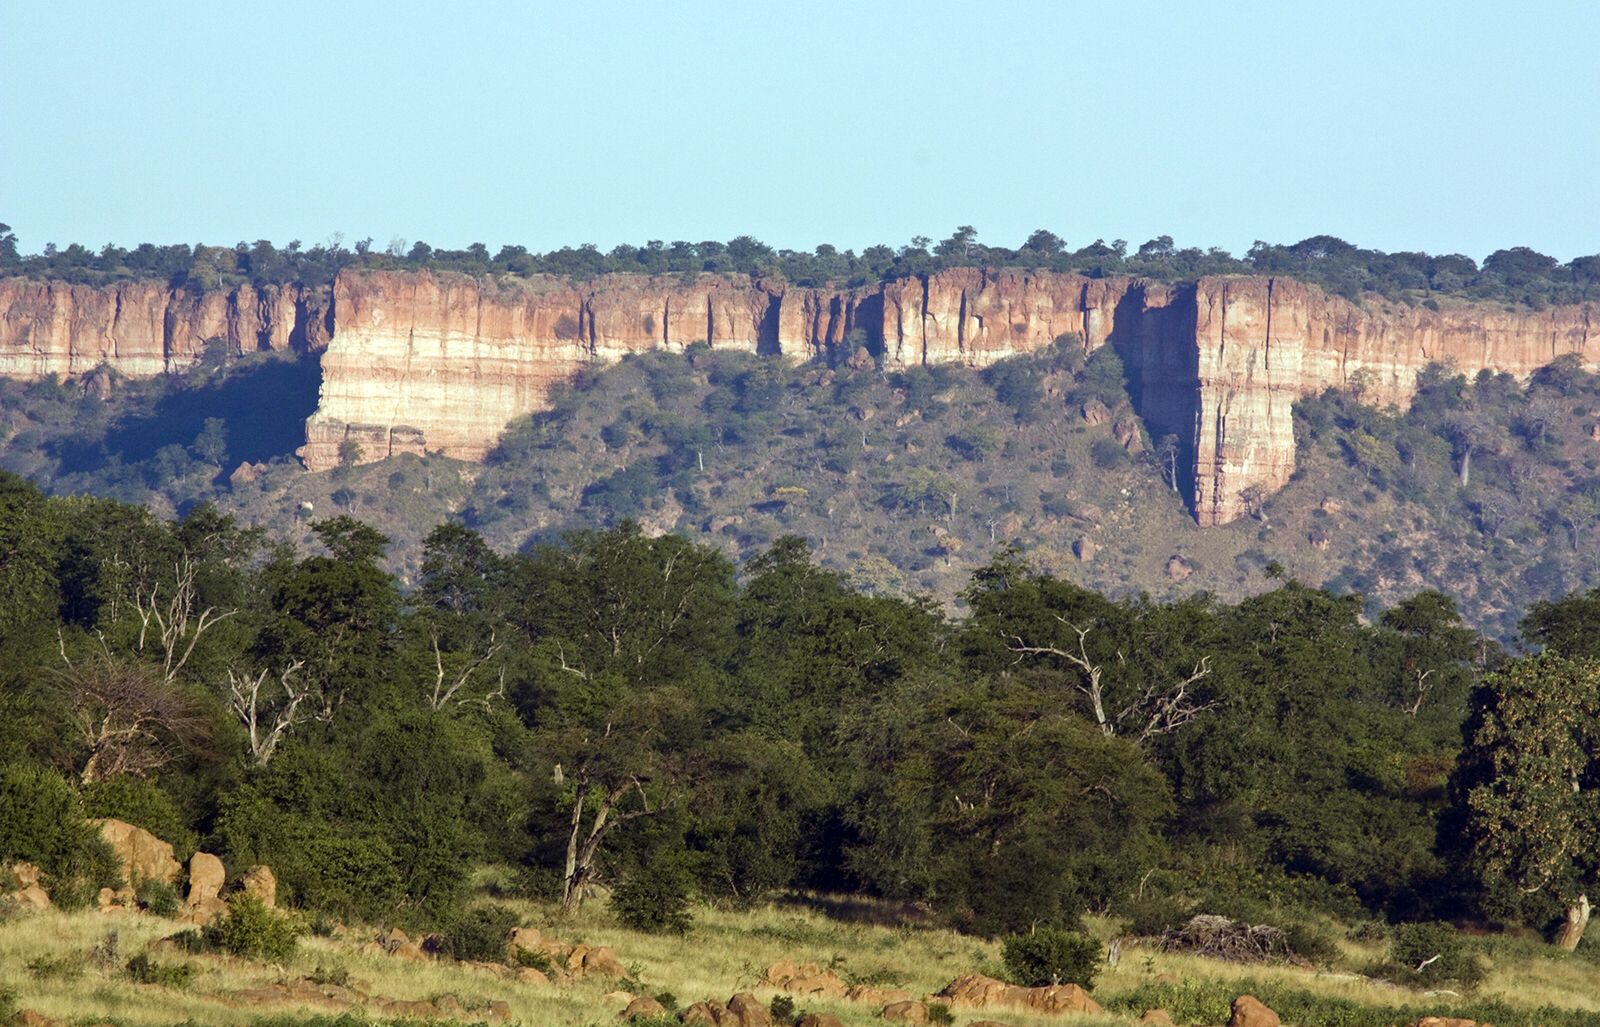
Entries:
{"x":252,"y":931}
{"x":142,"y":803}
{"x":1108,"y":454}
{"x":782,"y":1009}
{"x":8,"y":1004}
{"x":141,"y":969}
{"x":1048,"y":955}
{"x":654,"y":898}
{"x":159,"y":897}
{"x":480,"y":934}
{"x":1429,"y":955}
{"x":55,"y":968}
{"x":42,"y":822}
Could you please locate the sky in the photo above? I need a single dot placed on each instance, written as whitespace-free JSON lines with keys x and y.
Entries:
{"x":1447,"y":127}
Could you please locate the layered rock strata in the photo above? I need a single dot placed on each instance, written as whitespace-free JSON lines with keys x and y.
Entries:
{"x":420,"y":362}
{"x":140,"y":329}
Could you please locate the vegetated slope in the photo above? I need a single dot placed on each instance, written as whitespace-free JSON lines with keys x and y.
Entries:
{"x":907,"y":481}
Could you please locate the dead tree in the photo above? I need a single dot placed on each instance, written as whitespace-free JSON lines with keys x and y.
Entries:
{"x":130,"y":720}
{"x":1160,"y":709}
{"x":270,"y":720}
{"x":448,"y":693}
{"x":170,"y":622}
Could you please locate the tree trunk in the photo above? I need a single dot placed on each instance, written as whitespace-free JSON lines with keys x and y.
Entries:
{"x":1572,"y":928}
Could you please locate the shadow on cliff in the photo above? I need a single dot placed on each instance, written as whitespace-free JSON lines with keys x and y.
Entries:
{"x":263,"y":402}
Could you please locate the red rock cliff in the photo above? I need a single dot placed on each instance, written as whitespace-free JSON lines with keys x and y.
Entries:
{"x":144,"y":328}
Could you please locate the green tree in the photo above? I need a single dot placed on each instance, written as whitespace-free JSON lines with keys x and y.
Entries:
{"x":1529,"y":782}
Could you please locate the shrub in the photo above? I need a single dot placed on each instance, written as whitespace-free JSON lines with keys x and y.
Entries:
{"x":655,"y":898}
{"x":1108,"y":454}
{"x":159,"y":897}
{"x":939,"y":1013}
{"x":782,"y":1009}
{"x":55,"y":968}
{"x":1311,"y":943}
{"x":42,"y":822}
{"x":537,"y":960}
{"x":1428,"y":955}
{"x":8,"y":1004}
{"x":253,"y":931}
{"x":336,"y":975}
{"x":480,"y":934}
{"x":141,"y":969}
{"x":143,"y":803}
{"x":1049,"y":955}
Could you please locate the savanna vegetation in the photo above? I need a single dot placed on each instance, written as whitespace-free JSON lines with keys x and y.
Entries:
{"x":1514,"y":275}
{"x":632,"y":726}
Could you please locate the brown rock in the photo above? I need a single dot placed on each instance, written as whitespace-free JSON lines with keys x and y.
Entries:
{"x":449,"y":1005}
{"x":409,"y":951}
{"x":206,"y":878}
{"x":1084,"y":549}
{"x":141,"y":855}
{"x":34,"y":1018}
{"x":876,"y":996}
{"x":905,"y":1012}
{"x":1157,"y":1016}
{"x":1128,"y":435}
{"x":749,"y":1011}
{"x":804,"y":979}
{"x":498,"y":1009}
{"x":1445,"y":1021}
{"x":820,"y":1020}
{"x":1179,"y":569}
{"x":245,"y":473}
{"x":261,"y":882}
{"x":709,"y":1014}
{"x":1096,"y":412}
{"x":979,"y":991}
{"x":533,"y":975}
{"x":1249,"y":1011}
{"x":642,"y":1007}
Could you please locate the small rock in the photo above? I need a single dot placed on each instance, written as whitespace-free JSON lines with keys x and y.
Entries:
{"x":642,"y":1007}
{"x":1249,"y":1011}
{"x":749,"y":1010}
{"x":1160,"y":1016}
{"x":1178,"y":569}
{"x":820,"y":1020}
{"x":905,"y":1012}
{"x":261,"y":882}
{"x":533,"y":975}
{"x":1084,"y":549}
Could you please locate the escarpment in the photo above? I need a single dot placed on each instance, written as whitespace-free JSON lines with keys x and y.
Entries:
{"x":421,"y":362}
{"x":141,"y":328}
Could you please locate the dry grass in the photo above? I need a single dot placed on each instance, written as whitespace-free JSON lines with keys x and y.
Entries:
{"x":725,"y":952}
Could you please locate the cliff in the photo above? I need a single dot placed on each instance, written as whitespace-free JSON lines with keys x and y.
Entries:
{"x":419,"y":362}
{"x":144,"y":328}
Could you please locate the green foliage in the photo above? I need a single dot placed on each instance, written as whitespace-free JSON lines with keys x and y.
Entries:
{"x":1431,"y":955}
{"x":480,"y":934}
{"x":56,"y":968}
{"x":252,"y":931}
{"x":143,"y":803}
{"x":1049,"y":955}
{"x":782,"y":1009}
{"x":141,"y":969}
{"x":42,"y":822}
{"x":655,"y":898}
{"x":8,"y":1003}
{"x":159,"y":898}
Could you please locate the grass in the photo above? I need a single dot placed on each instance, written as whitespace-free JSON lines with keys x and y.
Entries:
{"x":726,"y":952}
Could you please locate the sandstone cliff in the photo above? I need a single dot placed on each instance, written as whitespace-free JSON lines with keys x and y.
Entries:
{"x":419,"y":362}
{"x":144,"y":328}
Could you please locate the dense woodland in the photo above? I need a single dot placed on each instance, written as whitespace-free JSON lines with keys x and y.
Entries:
{"x":1514,"y":275}
{"x":638,"y":713}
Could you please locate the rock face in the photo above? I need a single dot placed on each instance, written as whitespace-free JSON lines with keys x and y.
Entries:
{"x":143,"y":856}
{"x":140,"y":329}
{"x":418,"y":362}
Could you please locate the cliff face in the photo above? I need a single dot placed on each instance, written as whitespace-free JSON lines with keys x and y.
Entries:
{"x":1262,"y":343}
{"x":419,"y":362}
{"x":144,"y":328}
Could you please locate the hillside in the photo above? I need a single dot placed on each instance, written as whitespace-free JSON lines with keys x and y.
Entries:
{"x":906,"y":480}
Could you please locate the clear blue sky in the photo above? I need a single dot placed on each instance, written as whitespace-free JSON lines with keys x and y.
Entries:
{"x":1450,"y":127}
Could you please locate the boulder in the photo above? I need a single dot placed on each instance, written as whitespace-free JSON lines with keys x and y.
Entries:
{"x":705,"y":1014}
{"x":410,"y":951}
{"x":905,"y":1012}
{"x":584,"y":960}
{"x":1445,"y":1021}
{"x":498,"y":1009}
{"x":30,"y":894}
{"x":980,"y":992}
{"x":1249,"y":1011}
{"x":877,"y":996}
{"x":393,"y":938}
{"x":34,"y":1018}
{"x":619,"y":998}
{"x":206,"y":878}
{"x":804,"y":979}
{"x":1096,"y":412}
{"x":1179,"y":569}
{"x":1084,"y":549}
{"x":141,"y":855}
{"x":642,"y":1007}
{"x":261,"y":882}
{"x":749,"y":1011}
{"x":820,"y":1020}
{"x":1156,"y":1016}
{"x":529,"y":939}
{"x":533,"y":975}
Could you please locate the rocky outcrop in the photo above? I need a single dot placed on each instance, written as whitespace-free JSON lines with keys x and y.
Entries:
{"x":417,"y":362}
{"x":980,"y":992}
{"x":141,"y":856}
{"x":141,"y":329}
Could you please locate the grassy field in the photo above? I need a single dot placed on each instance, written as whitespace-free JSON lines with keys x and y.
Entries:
{"x":49,"y":961}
